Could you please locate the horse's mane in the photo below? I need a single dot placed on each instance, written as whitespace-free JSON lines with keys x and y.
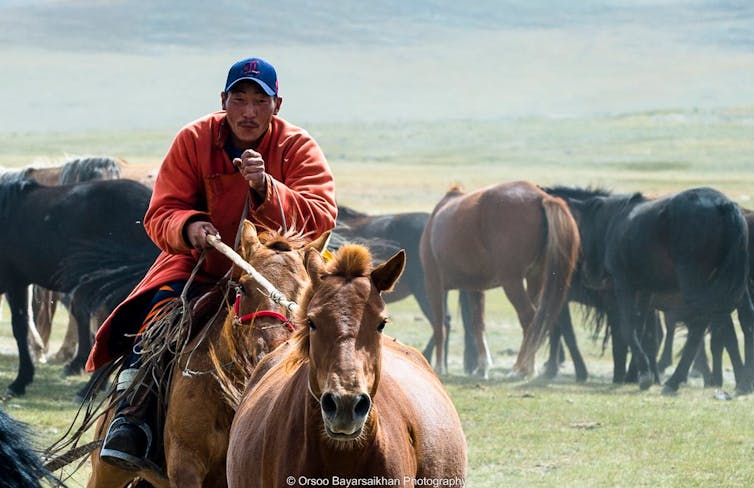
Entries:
{"x":381,"y":249}
{"x":348,"y":213}
{"x":351,"y":261}
{"x":232,"y":377}
{"x":576,"y":193}
{"x":455,"y":189}
{"x":10,"y":175}
{"x":87,"y":168}
{"x":13,"y":185}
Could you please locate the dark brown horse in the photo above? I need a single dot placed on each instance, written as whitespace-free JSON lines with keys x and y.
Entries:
{"x":199,"y":413}
{"x":342,"y":400}
{"x":501,"y":235}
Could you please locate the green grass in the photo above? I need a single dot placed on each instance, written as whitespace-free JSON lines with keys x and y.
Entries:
{"x":519,"y":433}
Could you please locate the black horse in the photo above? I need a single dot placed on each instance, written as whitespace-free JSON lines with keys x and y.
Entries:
{"x":62,"y":237}
{"x":713,"y":377}
{"x":686,"y":252}
{"x":404,"y":230}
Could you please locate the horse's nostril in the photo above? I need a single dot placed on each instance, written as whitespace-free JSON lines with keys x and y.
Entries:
{"x":363,"y":404}
{"x":328,"y":404}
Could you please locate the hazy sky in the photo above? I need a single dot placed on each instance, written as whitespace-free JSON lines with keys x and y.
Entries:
{"x":141,"y":65}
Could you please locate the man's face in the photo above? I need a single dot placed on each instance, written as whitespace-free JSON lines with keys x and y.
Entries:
{"x":249,"y":112}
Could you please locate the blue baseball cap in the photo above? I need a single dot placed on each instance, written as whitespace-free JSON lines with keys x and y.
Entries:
{"x":255,"y":69}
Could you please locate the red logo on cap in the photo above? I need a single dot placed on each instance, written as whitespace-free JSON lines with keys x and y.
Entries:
{"x":251,"y":68}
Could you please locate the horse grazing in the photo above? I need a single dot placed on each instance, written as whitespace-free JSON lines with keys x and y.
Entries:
{"x":685,"y":252}
{"x":340,"y":398}
{"x":500,"y":235}
{"x":20,"y":466}
{"x":200,"y":408}
{"x":57,"y":236}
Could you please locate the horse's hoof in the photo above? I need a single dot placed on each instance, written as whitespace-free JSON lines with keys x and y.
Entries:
{"x":70,"y":370}
{"x":669,"y":390}
{"x":549,"y":373}
{"x":481,"y":373}
{"x":515,"y":376}
{"x":722,"y":395}
{"x":12,"y":392}
{"x":645,"y":381}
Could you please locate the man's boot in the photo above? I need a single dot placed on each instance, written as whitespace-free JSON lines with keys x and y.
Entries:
{"x":129,"y":437}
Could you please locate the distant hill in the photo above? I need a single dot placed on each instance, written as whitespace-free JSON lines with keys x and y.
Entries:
{"x":157,"y":64}
{"x":141,"y":24}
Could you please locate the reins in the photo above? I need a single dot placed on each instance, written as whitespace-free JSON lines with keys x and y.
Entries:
{"x":249,"y":317}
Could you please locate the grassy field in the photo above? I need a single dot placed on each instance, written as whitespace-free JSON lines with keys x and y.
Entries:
{"x":522,"y":433}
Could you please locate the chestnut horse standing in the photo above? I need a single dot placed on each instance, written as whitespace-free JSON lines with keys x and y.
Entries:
{"x":198,"y":415}
{"x":500,"y":235}
{"x":343,"y":400}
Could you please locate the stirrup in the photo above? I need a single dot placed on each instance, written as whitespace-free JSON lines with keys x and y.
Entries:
{"x":122,"y":459}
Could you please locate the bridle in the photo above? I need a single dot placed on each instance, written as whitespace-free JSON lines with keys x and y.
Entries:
{"x":249,"y":317}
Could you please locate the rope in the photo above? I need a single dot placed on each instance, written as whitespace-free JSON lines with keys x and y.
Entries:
{"x":64,"y":460}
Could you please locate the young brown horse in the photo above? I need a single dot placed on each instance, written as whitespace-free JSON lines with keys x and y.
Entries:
{"x":342,"y":400}
{"x":198,"y":416}
{"x":500,"y":235}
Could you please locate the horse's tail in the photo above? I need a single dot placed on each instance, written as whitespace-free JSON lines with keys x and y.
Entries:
{"x":724,"y":230}
{"x":558,"y":260}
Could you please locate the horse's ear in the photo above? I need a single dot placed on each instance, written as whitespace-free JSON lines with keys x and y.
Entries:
{"x":319,"y":243}
{"x":386,"y":275}
{"x":315,"y":265}
{"x":249,"y":240}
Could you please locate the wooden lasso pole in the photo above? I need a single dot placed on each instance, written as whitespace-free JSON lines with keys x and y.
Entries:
{"x":275,"y":295}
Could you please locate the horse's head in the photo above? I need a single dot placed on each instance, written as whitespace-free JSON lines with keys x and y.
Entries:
{"x":280,"y":260}
{"x":345,"y":316}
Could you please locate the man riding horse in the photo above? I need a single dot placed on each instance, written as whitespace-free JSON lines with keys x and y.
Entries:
{"x":241,"y":162}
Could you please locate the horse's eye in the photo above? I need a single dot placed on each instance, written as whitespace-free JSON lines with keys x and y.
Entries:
{"x":311,"y":325}
{"x":382,"y":325}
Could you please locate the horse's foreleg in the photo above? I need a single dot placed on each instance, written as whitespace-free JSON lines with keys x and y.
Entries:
{"x":730,"y":342}
{"x":18,"y":303}
{"x":470,"y":348}
{"x":553,"y":360}
{"x":696,"y":335}
{"x":666,"y":358}
{"x":629,"y":317}
{"x":81,"y":315}
{"x":746,"y":320}
{"x":569,"y":337}
{"x":619,"y":347}
{"x":437,"y":297}
{"x":476,"y":315}
{"x":717,"y":343}
{"x":70,"y":340}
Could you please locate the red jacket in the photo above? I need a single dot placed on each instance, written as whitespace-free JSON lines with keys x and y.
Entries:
{"x":198,"y":179}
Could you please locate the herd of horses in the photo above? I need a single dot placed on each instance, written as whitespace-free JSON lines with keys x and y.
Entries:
{"x":324,"y":384}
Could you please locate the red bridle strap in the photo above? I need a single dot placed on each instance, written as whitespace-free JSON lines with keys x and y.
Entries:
{"x":259,"y":313}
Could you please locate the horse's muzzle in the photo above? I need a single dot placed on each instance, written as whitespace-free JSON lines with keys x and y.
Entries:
{"x":344,"y":415}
